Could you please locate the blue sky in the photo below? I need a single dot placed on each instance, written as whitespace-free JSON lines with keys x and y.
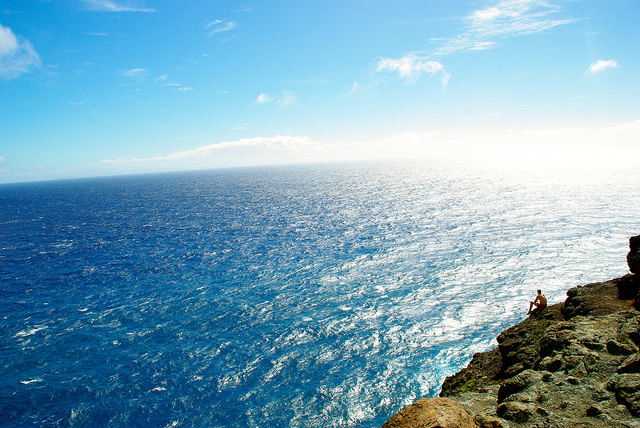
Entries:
{"x":102,"y":87}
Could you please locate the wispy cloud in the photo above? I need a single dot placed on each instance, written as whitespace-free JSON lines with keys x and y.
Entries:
{"x":482,"y":29}
{"x":602,"y":65}
{"x":411,"y":67}
{"x":141,"y":75}
{"x":286,"y":99}
{"x":136,"y":73}
{"x":17,"y":55}
{"x":508,"y":18}
{"x":279,"y":142}
{"x":116,"y":6}
{"x":219,"y":26}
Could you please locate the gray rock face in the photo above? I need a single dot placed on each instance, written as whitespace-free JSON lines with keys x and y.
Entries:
{"x":515,"y":411}
{"x":626,"y":387}
{"x":583,"y":370}
{"x":584,"y":377}
{"x":518,"y":383}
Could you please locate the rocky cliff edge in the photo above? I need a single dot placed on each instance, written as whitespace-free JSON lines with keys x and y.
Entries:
{"x":575,"y":364}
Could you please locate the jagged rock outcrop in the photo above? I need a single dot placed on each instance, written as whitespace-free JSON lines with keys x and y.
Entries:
{"x":576,"y":363}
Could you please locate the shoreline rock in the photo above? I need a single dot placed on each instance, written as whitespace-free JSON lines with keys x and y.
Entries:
{"x":576,"y":363}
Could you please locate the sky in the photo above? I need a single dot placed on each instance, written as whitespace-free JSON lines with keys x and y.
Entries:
{"x":105,"y":87}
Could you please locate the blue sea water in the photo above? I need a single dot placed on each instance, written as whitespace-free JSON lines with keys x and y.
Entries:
{"x":293,"y":296}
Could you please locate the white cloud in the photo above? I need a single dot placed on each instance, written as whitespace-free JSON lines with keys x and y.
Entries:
{"x":602,"y":65}
{"x":411,"y":67}
{"x":17,"y":56}
{"x":219,"y":26}
{"x":263,"y":98}
{"x":116,"y":6}
{"x":483,"y":28}
{"x":277,"y":143}
{"x":508,"y":18}
{"x":136,"y":73}
{"x":286,"y":99}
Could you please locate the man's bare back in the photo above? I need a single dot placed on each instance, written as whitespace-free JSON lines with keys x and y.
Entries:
{"x":540,"y":302}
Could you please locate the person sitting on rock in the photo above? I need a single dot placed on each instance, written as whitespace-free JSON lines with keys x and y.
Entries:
{"x":540,"y":301}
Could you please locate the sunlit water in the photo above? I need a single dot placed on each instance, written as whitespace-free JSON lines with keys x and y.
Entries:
{"x":300,"y":296}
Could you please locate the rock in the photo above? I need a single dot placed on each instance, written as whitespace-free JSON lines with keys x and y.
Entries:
{"x":572,"y":380}
{"x":542,"y":411}
{"x":593,"y":344}
{"x":626,"y":388}
{"x":578,"y":371}
{"x":481,"y":371}
{"x":616,"y":348}
{"x":633,"y":258}
{"x":432,"y":413}
{"x":601,"y":298}
{"x":628,"y":287}
{"x":594,"y":410}
{"x":486,"y":421}
{"x":518,"y":383}
{"x":514,"y":370}
{"x":630,"y":365}
{"x":515,"y":411}
{"x":557,"y":337}
{"x":591,"y":361}
{"x":571,"y":361}
{"x":601,"y":395}
{"x":551,"y":364}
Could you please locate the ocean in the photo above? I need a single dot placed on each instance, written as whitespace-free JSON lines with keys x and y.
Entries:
{"x":325,"y":295}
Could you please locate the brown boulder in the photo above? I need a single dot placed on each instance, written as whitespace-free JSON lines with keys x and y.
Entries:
{"x":432,"y":413}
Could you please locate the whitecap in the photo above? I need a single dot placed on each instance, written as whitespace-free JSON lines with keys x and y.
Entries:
{"x":29,"y":332}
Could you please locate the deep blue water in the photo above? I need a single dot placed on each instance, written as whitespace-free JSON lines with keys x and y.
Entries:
{"x":298,"y":296}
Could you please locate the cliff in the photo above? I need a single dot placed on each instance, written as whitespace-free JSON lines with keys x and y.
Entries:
{"x":576,"y":363}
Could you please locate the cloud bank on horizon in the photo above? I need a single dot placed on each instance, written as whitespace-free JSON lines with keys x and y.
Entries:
{"x":268,"y":84}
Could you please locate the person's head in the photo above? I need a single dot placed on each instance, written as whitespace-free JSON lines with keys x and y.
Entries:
{"x":539,"y":291}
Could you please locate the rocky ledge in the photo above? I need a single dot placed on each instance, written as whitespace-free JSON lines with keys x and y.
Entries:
{"x":575,"y":364}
